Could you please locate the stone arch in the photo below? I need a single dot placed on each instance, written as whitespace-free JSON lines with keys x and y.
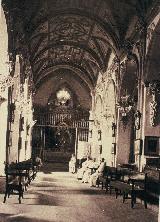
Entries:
{"x":129,"y":78}
{"x":72,"y":101}
{"x":152,"y":78}
{"x":152,"y":70}
{"x":61,"y":77}
{"x":128,"y":98}
{"x":75,"y":72}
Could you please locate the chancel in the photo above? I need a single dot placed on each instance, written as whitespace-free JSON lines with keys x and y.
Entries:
{"x":80,"y":92}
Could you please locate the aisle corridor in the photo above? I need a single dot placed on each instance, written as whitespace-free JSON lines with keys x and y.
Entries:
{"x":58,"y":196}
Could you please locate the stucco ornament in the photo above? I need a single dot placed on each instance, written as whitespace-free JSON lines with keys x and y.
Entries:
{"x":153,"y":112}
{"x":6,"y":82}
{"x":125,"y":104}
{"x":154,"y":89}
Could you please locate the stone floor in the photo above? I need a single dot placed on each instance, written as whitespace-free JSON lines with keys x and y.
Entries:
{"x":59,"y":197}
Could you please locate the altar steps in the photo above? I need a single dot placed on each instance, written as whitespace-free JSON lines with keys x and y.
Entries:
{"x":49,"y":167}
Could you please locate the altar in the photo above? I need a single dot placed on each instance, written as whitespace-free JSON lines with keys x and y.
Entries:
{"x":56,"y":156}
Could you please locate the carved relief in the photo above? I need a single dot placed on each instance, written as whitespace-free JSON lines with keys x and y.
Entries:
{"x":153,"y":112}
{"x":113,"y":67}
{"x":154,"y":89}
{"x":69,"y":28}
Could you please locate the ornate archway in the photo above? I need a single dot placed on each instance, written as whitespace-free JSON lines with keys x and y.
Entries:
{"x":127,"y":107}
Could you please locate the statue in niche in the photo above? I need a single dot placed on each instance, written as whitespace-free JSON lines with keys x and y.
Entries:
{"x":113,"y":129}
{"x":137,"y":117}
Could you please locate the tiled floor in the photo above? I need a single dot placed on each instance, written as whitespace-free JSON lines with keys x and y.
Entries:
{"x":59,"y":197}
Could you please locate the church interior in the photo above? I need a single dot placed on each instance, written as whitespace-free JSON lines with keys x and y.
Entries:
{"x":80,"y":77}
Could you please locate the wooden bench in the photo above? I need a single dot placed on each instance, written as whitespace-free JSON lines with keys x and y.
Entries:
{"x":109,"y":173}
{"x":19,"y":176}
{"x":130,"y":186}
{"x":153,"y":184}
{"x":129,"y":183}
{"x":28,"y":167}
{"x":31,"y":167}
{"x":14,"y":181}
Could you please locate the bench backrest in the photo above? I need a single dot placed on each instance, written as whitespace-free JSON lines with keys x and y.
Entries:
{"x":153,"y":181}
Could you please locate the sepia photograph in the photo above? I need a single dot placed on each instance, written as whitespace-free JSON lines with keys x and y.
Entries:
{"x":79,"y":110}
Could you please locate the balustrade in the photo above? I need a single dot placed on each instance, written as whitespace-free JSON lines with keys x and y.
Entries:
{"x":54,"y":119}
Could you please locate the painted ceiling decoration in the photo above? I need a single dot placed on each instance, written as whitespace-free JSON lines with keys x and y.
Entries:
{"x":76,"y":35}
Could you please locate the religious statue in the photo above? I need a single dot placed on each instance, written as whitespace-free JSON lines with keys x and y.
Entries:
{"x":137,"y":117}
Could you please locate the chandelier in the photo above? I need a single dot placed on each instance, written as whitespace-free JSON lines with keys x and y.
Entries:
{"x":125,"y":105}
{"x":63,"y":95}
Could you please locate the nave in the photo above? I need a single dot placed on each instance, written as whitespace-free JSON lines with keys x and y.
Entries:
{"x":59,"y":196}
{"x":78,"y":78}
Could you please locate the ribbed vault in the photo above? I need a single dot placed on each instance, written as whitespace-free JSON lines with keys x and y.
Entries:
{"x":152,"y":62}
{"x":76,"y":35}
{"x":62,"y":77}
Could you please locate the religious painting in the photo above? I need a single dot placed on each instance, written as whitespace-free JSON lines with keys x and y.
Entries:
{"x":152,"y":146}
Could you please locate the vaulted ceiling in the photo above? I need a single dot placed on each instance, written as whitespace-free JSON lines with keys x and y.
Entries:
{"x":74,"y":35}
